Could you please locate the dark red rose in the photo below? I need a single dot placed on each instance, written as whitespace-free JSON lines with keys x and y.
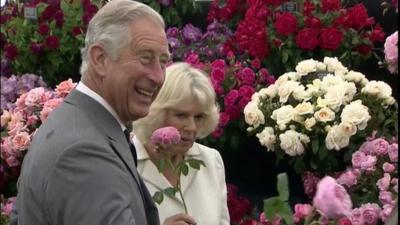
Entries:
{"x":36,"y":48}
{"x":285,"y":23}
{"x":358,"y":16}
{"x":86,"y":17}
{"x":307,"y":39}
{"x":377,"y":34}
{"x":11,"y":51}
{"x":59,"y":18}
{"x":77,"y":31}
{"x":330,"y":38}
{"x":308,"y":7}
{"x":91,"y":9}
{"x":52,"y":42}
{"x":256,"y":63}
{"x":43,"y":29}
{"x":364,"y":49}
{"x":48,"y":13}
{"x":313,"y":22}
{"x":330,"y":5}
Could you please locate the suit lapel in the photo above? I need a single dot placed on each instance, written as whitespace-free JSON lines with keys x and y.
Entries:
{"x":107,"y":125}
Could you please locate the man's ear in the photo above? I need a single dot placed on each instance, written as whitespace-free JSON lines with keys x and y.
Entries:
{"x":98,"y":58}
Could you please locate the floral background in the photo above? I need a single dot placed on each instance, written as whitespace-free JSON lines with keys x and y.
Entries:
{"x":249,"y":48}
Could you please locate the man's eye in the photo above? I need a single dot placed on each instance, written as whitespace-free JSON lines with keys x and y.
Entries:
{"x":146,"y":58}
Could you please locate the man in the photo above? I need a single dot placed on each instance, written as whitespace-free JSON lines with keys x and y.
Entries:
{"x":79,"y":168}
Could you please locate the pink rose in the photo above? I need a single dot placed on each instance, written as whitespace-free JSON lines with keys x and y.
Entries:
{"x":384,"y":182}
{"x":369,"y":163}
{"x":301,"y":211}
{"x":388,"y":167}
{"x":357,"y":158}
{"x":393,"y":152}
{"x":6,"y":210}
{"x":34,"y":96}
{"x":356,"y":217}
{"x":380,"y":146}
{"x":331,"y":199}
{"x":65,"y":87}
{"x":5,"y":118}
{"x":347,"y":178}
{"x":386,"y":197}
{"x":166,"y":136}
{"x":370,"y":213}
{"x":386,"y":211}
{"x":21,"y":141}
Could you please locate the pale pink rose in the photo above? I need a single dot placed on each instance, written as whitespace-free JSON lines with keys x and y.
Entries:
{"x":5,"y":118}
{"x":384,"y":182}
{"x":21,"y":141}
{"x":386,"y":211}
{"x":369,"y":163}
{"x":386,"y":197}
{"x":388,"y":167}
{"x":370,"y":213}
{"x":380,"y":146}
{"x":65,"y":87}
{"x":12,"y":161}
{"x":31,"y":120}
{"x":6,"y":146}
{"x":356,"y":217}
{"x":34,"y":96}
{"x":357,"y":158}
{"x":15,"y":128}
{"x":53,"y":103}
{"x":393,"y":152}
{"x":45,"y":113}
{"x":310,"y":182}
{"x":301,"y":211}
{"x":391,"y":52}
{"x":347,"y":178}
{"x":394,"y":182}
{"x":166,"y":136}
{"x":20,"y":103}
{"x":7,"y":208}
{"x":331,"y":199}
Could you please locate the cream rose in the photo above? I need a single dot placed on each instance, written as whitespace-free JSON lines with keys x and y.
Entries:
{"x":356,"y":113}
{"x":306,"y":66}
{"x":324,"y":115}
{"x":309,"y":123}
{"x":334,"y":65}
{"x":336,"y":139}
{"x":291,"y":142}
{"x":304,"y":108}
{"x":267,"y":138}
{"x":286,"y":89}
{"x":253,"y":115}
{"x":378,"y":88}
{"x":271,"y":91}
{"x":283,"y":115}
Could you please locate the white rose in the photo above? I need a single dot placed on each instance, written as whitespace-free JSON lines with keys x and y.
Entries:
{"x":283,"y":115}
{"x":271,"y":91}
{"x":267,"y":138}
{"x":355,"y":77}
{"x":335,"y":97}
{"x":356,"y":113}
{"x":310,"y":91}
{"x":306,"y":66}
{"x":309,"y":123}
{"x":291,"y":143}
{"x":256,"y":97}
{"x":334,"y":65}
{"x":286,"y":89}
{"x":390,"y":101}
{"x":378,"y":88}
{"x":299,"y":93}
{"x":347,"y":128}
{"x":350,"y":91}
{"x":304,"y":108}
{"x":282,"y":79}
{"x":330,"y":81}
{"x":253,"y":115}
{"x":336,"y":139}
{"x":324,"y":115}
{"x":321,"y":66}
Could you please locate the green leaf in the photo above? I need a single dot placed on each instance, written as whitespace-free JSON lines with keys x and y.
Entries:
{"x":315,"y":146}
{"x":272,"y":206}
{"x":170,"y":192}
{"x":160,"y":165}
{"x":287,"y":213}
{"x":195,"y":163}
{"x":158,"y":197}
{"x":285,"y":56}
{"x":283,"y":187}
{"x":323,"y":152}
{"x":184,"y":169}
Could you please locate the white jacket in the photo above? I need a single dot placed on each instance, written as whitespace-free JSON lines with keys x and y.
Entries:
{"x":204,"y":190}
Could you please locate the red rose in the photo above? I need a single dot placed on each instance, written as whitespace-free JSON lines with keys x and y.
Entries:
{"x":59,"y":18}
{"x":377,"y":34}
{"x":364,"y":49}
{"x":312,"y":22}
{"x":11,"y":51}
{"x":43,"y":29}
{"x":36,"y":48}
{"x":358,"y":16}
{"x":308,"y":7}
{"x":52,"y":42}
{"x":76,"y":31}
{"x":307,"y":39}
{"x":330,"y":38}
{"x":330,"y":5}
{"x":256,"y":63}
{"x":285,"y":24}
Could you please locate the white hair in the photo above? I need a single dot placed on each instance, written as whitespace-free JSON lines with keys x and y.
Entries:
{"x":110,"y":27}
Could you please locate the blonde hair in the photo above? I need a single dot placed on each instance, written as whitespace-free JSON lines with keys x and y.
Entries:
{"x":110,"y":27}
{"x":182,"y":82}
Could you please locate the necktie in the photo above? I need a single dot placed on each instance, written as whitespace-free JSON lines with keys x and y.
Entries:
{"x":131,"y":146}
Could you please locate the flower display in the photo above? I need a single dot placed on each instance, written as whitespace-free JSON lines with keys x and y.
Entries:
{"x":166,"y":136}
{"x":14,"y":86}
{"x":391,"y":52}
{"x":48,"y":45}
{"x":282,"y":34}
{"x":6,"y":208}
{"x":19,"y":125}
{"x":314,"y":113}
{"x":190,"y":39}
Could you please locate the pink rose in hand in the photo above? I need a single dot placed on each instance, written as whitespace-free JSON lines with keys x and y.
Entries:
{"x":166,"y":136}
{"x":332,"y":200}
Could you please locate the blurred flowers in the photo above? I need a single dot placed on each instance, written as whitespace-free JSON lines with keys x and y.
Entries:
{"x":267,"y":30}
{"x":48,"y":45}
{"x":315,"y":112}
{"x":19,"y":124}
{"x":391,"y":52}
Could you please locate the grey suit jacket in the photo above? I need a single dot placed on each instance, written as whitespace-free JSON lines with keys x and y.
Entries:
{"x":79,"y":170}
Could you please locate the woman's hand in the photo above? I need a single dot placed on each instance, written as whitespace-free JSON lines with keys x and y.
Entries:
{"x":179,"y":219}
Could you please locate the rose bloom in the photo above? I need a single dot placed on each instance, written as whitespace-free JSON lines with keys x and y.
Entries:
{"x":332,"y":200}
{"x":65,"y":87}
{"x":166,"y":136}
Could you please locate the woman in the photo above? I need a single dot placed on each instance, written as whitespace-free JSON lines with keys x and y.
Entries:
{"x":187,"y":102}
